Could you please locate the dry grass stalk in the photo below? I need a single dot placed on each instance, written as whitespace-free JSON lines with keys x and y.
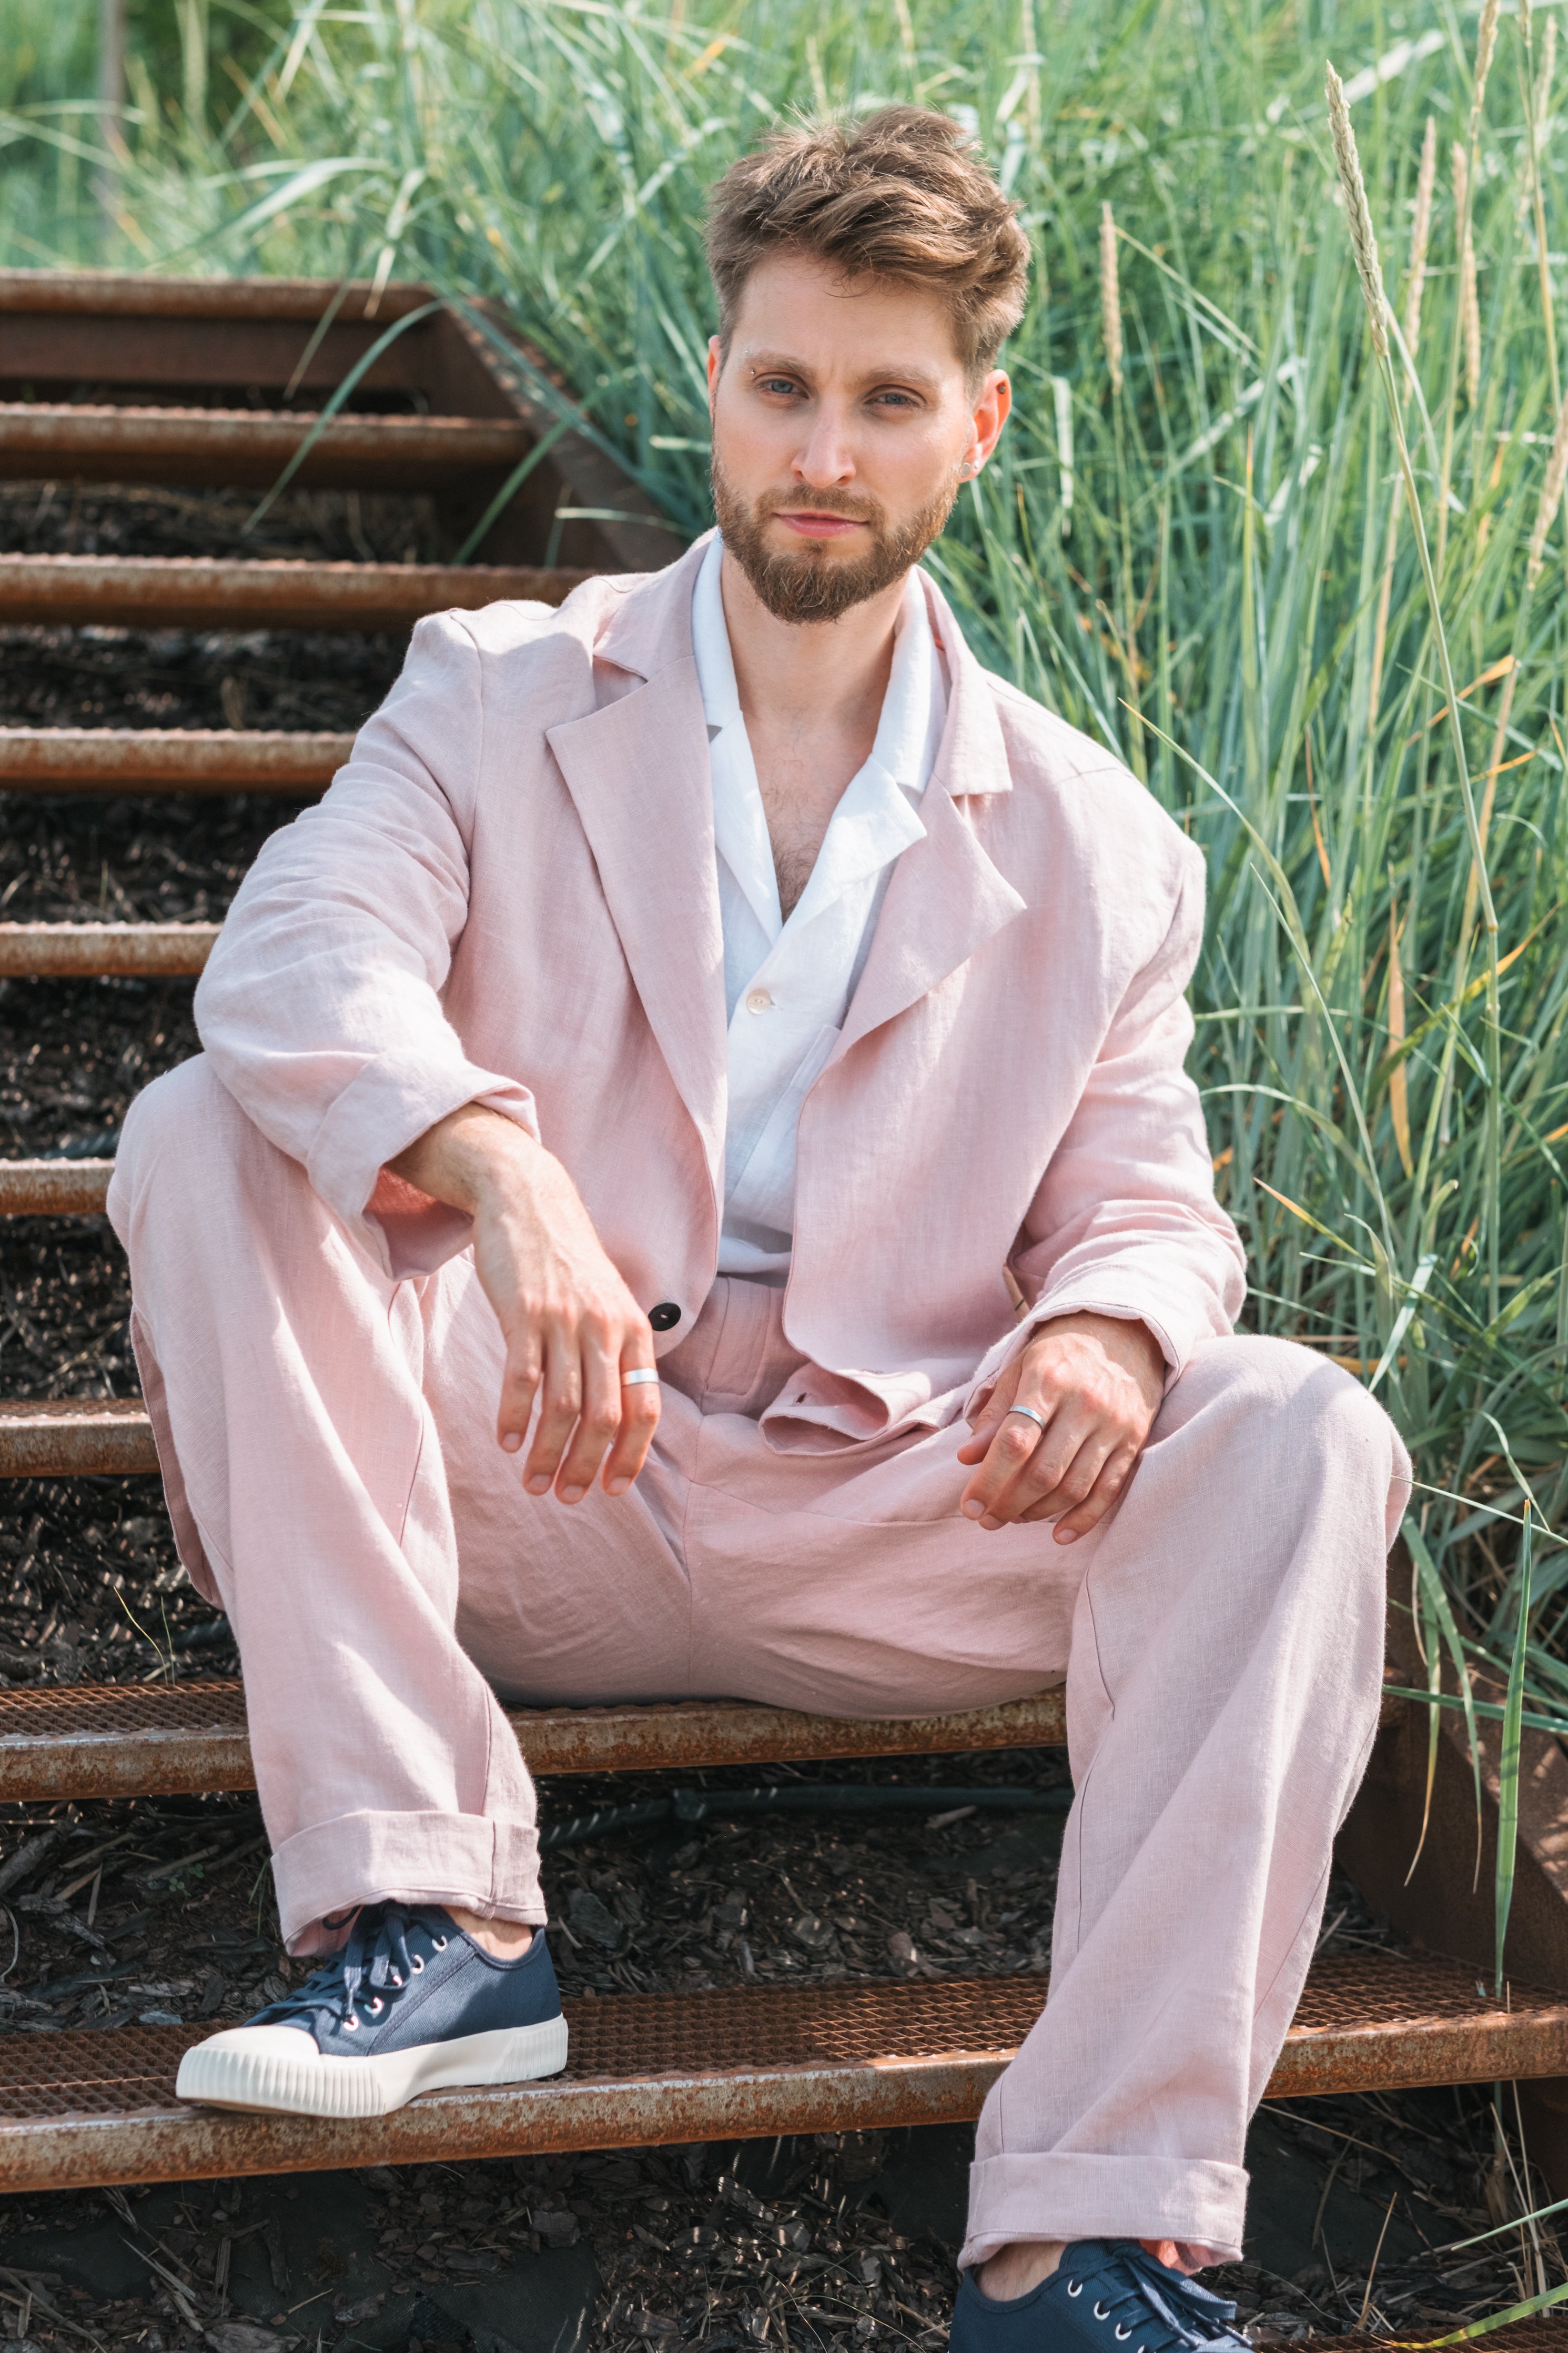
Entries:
{"x":1548,"y":67}
{"x":1469,"y":301}
{"x":1420,"y":235}
{"x":1358,"y":214}
{"x":1110,"y":295}
{"x":1550,"y":496}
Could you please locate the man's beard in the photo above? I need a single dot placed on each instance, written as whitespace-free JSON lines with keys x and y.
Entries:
{"x":810,"y":583}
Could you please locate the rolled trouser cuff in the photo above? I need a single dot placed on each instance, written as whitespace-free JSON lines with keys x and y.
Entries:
{"x":485,"y":1864}
{"x":1070,"y":2196}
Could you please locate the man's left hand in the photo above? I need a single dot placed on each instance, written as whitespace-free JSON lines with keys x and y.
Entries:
{"x":1097,"y":1383}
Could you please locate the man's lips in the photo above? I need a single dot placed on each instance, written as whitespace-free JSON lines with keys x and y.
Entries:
{"x":808,"y":523}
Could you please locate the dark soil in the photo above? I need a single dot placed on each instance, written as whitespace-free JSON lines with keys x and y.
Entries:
{"x":833,"y":2241}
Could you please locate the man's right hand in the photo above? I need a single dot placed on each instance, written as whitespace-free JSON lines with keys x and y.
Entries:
{"x":572,"y":1327}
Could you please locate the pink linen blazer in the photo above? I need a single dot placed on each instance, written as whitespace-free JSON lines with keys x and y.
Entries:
{"x":508,"y":895}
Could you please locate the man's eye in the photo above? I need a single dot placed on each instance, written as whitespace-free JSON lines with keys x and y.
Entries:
{"x":892,"y":400}
{"x":776,"y":384}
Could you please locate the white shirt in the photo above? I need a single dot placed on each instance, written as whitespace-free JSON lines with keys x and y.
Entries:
{"x":788,"y":985}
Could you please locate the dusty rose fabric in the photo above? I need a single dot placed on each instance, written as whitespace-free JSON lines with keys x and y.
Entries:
{"x":327,"y":1435}
{"x":509,"y":895}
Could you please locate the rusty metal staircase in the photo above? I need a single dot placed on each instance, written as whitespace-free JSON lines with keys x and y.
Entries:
{"x":142,"y":380}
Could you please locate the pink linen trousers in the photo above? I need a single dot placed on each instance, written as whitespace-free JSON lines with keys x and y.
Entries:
{"x":510,"y":896}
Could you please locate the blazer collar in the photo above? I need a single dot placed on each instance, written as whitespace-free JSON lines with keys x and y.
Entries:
{"x":945,"y":898}
{"x":636,"y":768}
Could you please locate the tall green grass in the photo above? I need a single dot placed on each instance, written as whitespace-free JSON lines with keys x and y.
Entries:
{"x":1206,"y":563}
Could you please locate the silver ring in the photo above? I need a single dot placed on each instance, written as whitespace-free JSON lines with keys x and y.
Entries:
{"x":646,"y":1373}
{"x":1028,"y":1413}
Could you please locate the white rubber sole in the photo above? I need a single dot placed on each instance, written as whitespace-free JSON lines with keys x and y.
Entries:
{"x":277,"y":2069}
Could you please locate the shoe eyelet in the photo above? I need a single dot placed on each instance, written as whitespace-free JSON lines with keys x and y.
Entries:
{"x":416,"y":1965}
{"x":377,"y":2005}
{"x":397,"y":1981}
{"x":351,"y":2024}
{"x":441,"y":1943}
{"x":1122,"y":2334}
{"x":1102,"y":2311}
{"x":1075,"y":2287}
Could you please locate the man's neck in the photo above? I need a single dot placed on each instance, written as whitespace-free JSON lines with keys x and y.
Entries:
{"x":810,"y":695}
{"x":809,"y":677}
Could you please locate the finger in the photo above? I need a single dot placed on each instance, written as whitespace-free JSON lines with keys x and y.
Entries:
{"x":1012,"y":1442}
{"x":599,"y":1421}
{"x":1061,"y":1470}
{"x":639,"y":1419}
{"x":519,"y":1387}
{"x":560,"y":1404}
{"x":990,"y":1415}
{"x":1102,"y":1498}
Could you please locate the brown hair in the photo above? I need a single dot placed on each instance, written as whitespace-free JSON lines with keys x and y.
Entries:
{"x":903,"y":196}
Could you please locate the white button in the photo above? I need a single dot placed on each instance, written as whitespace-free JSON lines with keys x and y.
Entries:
{"x":758,"y":1001}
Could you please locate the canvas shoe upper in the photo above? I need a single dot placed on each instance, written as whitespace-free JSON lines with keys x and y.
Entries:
{"x":409,"y":2004}
{"x":1107,"y":2295}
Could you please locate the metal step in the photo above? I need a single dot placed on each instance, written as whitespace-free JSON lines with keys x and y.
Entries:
{"x":53,"y":1188}
{"x":77,"y":1438}
{"x":143,"y":592}
{"x":84,"y":1741}
{"x":159,"y":1740}
{"x":82,"y":2109}
{"x":169,"y":760}
{"x":44,"y":441}
{"x":93,"y":951}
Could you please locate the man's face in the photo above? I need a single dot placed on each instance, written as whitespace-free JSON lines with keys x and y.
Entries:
{"x":842,"y":428}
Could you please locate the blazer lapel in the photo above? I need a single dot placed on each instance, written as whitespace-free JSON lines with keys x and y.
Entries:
{"x":945,"y":899}
{"x":637,"y":771}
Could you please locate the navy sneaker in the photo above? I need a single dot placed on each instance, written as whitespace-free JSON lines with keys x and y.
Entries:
{"x":1105,"y":2294}
{"x":410,"y":2003}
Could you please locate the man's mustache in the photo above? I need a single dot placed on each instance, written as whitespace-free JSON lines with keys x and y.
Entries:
{"x":833,"y":502}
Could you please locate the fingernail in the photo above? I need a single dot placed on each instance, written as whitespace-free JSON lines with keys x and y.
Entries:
{"x":512,"y":1440}
{"x":538,"y":1485}
{"x":570,"y":1494}
{"x":991,"y":1521}
{"x":971,"y":1510}
{"x":617,"y":1487}
{"x":1066,"y":1536}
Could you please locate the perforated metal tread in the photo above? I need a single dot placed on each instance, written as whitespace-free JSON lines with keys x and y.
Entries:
{"x":83,"y":2108}
{"x":124,"y":1740}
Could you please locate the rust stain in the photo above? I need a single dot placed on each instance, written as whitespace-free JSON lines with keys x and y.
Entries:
{"x":44,"y":441}
{"x":77,"y":1439}
{"x":87,"y":951}
{"x":155,"y":592}
{"x":53,"y":1189}
{"x":157,"y":759}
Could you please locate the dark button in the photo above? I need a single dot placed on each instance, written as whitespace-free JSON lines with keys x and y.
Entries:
{"x":665,"y":1316}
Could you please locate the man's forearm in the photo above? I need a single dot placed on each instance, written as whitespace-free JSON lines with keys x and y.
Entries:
{"x":471,"y":1152}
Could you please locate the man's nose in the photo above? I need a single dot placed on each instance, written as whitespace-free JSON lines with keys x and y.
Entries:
{"x":826,"y":459}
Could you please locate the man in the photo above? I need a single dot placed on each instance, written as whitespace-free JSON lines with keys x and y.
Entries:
{"x":583,"y":1267}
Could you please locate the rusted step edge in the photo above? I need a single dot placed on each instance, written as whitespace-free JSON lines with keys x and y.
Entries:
{"x":75,"y":1439}
{"x":44,"y":441}
{"x":97,"y":951}
{"x":51,"y":1188}
{"x":118,"y":1740}
{"x":153,"y":592}
{"x":109,"y":294}
{"x":879,"y":2076}
{"x":159,"y":760}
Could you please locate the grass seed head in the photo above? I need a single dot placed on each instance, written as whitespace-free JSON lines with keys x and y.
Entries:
{"x":1357,"y":214}
{"x":1470,"y":300}
{"x":1551,"y":494}
{"x":1110,"y":295}
{"x":1486,"y":42}
{"x":1420,"y":234}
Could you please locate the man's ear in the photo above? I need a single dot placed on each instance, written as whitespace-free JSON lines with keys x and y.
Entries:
{"x":989,"y":414}
{"x":715,"y":361}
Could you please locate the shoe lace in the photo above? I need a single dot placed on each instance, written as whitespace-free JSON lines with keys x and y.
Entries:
{"x":1151,"y":2309}
{"x":379,"y":1959}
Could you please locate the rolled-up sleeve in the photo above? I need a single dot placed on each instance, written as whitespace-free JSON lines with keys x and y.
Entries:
{"x":321,"y":1007}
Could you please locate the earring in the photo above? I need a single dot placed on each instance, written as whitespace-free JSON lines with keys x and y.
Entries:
{"x":968,"y":471}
